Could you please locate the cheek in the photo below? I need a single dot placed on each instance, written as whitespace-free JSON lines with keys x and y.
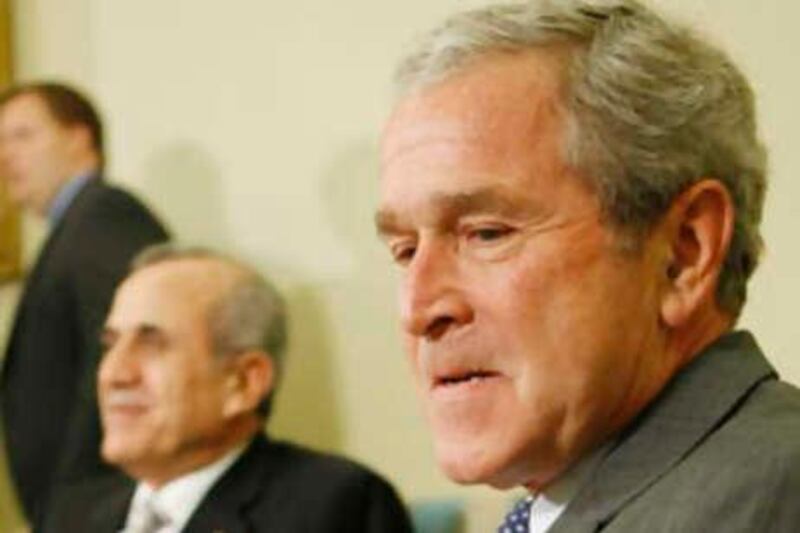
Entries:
{"x":550,"y":323}
{"x":561,"y":294}
{"x":411,"y":348}
{"x":582,"y":336}
{"x":164,"y":388}
{"x":524,"y":304}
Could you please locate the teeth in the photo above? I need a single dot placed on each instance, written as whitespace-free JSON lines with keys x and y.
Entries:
{"x":466,"y":378}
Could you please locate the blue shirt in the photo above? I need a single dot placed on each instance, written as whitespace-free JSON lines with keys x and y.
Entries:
{"x":66,"y":195}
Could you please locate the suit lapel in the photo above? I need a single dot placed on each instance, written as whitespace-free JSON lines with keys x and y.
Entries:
{"x":110,"y":516}
{"x":224,"y":508}
{"x":690,"y":408}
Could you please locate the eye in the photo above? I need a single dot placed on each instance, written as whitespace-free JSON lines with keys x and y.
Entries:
{"x":488,"y":233}
{"x":403,"y":253}
{"x":153,"y":339}
{"x":107,"y":339}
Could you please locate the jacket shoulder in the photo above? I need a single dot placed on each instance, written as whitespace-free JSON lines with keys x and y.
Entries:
{"x":105,"y":207}
{"x":305,"y":490}
{"x":744,"y":476}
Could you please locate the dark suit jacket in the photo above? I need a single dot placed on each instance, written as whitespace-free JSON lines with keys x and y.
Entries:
{"x":273,"y":487}
{"x":48,"y":383}
{"x":719,"y":450}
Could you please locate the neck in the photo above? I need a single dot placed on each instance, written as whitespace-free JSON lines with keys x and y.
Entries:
{"x":87,"y":165}
{"x":703,"y":328}
{"x":165,"y":469}
{"x":43,"y":206}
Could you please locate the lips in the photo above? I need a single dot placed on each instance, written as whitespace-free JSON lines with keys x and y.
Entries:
{"x":463,"y":377}
{"x":123,"y":403}
{"x":126,"y":408}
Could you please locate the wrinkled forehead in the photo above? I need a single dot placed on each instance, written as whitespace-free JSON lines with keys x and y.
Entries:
{"x":495,"y":125}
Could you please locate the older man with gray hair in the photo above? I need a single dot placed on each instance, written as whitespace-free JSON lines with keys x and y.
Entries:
{"x":572,"y":191}
{"x":193,"y":349}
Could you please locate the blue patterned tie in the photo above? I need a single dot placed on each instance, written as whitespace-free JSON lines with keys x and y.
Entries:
{"x":517,"y":520}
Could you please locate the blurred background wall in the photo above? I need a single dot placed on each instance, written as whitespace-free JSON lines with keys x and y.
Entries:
{"x":252,"y":126}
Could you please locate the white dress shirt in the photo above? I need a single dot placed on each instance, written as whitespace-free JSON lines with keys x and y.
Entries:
{"x":179,"y":498}
{"x":551,"y":503}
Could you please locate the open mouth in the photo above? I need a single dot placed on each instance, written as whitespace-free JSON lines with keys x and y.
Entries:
{"x":462,"y":378}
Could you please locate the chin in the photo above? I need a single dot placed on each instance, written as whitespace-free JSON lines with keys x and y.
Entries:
{"x":460,"y":473}
{"x":466,"y":449}
{"x":118,"y":450}
{"x":501,"y":463}
{"x":467,"y":463}
{"x":492,"y":471}
{"x":111,"y":450}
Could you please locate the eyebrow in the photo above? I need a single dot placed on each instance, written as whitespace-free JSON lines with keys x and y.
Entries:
{"x":493,"y":200}
{"x":140,"y":331}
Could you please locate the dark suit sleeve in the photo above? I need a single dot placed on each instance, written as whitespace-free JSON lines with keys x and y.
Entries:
{"x":114,"y":232}
{"x":366,"y":504}
{"x":384,"y":512}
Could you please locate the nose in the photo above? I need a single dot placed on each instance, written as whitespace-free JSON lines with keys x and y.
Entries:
{"x":432,"y":296}
{"x":5,"y":152}
{"x":117,"y":367}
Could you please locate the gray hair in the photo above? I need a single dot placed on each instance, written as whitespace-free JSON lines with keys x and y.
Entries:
{"x":250,"y":315}
{"x":650,"y":109}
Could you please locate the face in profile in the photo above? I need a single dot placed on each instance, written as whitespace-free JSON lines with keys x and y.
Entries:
{"x":164,"y":395}
{"x":36,"y":151}
{"x":528,"y":329}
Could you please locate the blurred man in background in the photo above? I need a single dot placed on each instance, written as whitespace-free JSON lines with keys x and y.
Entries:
{"x":52,"y":158}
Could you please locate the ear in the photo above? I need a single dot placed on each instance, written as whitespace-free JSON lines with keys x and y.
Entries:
{"x":251,"y":378}
{"x":698,"y":229}
{"x":80,"y":139}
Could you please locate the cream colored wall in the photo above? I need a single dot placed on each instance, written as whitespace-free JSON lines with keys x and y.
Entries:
{"x":252,"y":126}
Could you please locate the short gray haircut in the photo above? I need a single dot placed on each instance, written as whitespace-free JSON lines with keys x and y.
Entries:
{"x":650,"y":109}
{"x":251,"y":314}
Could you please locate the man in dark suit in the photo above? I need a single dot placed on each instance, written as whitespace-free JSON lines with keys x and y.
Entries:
{"x":51,"y":151}
{"x":572,"y":192}
{"x":194,"y":345}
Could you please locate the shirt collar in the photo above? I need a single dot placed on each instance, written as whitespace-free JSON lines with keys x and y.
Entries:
{"x":549,"y":504}
{"x":179,"y":498}
{"x":65,"y":195}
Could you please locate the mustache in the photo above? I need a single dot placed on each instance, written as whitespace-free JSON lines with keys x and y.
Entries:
{"x":124,"y":398}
